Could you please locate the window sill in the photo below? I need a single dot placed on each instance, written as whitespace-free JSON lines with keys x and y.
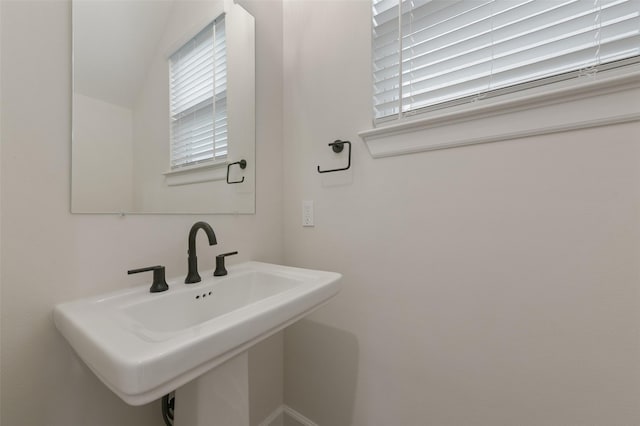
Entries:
{"x":607,"y":98}
{"x":196,"y":174}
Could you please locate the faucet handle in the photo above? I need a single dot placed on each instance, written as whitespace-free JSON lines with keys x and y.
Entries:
{"x":159,"y":283}
{"x":220,"y":269}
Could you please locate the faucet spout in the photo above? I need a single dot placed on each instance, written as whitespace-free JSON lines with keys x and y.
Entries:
{"x":192,"y":274}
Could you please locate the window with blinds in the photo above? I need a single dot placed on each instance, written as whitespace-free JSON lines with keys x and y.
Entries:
{"x":430,"y":54}
{"x":198,"y":98}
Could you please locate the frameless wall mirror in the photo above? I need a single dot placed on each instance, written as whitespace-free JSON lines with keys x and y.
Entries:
{"x":163,"y":107}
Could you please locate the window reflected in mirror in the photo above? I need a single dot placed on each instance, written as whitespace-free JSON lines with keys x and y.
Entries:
{"x":163,"y":101}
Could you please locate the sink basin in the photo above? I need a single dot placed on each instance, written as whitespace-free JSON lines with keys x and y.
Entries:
{"x":144,"y":345}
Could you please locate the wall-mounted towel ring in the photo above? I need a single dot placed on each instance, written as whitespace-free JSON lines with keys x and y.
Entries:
{"x":337,"y":147}
{"x":242,"y":164}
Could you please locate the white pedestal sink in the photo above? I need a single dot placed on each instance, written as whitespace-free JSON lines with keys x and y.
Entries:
{"x":144,"y":345}
{"x":219,"y":397}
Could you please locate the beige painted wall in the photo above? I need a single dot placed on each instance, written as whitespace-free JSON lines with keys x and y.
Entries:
{"x":49,"y":255}
{"x":487,"y":285}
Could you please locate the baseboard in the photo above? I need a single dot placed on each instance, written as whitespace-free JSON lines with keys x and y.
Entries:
{"x":285,"y":410}
{"x":272,"y":417}
{"x":298,"y":417}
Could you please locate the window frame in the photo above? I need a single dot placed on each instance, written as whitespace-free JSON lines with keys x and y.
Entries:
{"x":606,"y":98}
{"x":456,"y":123}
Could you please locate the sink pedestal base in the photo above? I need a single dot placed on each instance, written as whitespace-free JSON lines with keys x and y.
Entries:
{"x":217,"y":398}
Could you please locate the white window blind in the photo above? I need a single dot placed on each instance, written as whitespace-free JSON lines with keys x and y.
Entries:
{"x":429,"y":54}
{"x":198,"y":105}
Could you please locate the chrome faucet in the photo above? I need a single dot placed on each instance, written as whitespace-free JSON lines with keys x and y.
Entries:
{"x":192,"y":275}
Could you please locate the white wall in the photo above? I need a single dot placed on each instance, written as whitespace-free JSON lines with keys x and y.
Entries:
{"x":49,"y":255}
{"x":487,"y":285}
{"x":103,"y":156}
{"x":265,"y":362}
